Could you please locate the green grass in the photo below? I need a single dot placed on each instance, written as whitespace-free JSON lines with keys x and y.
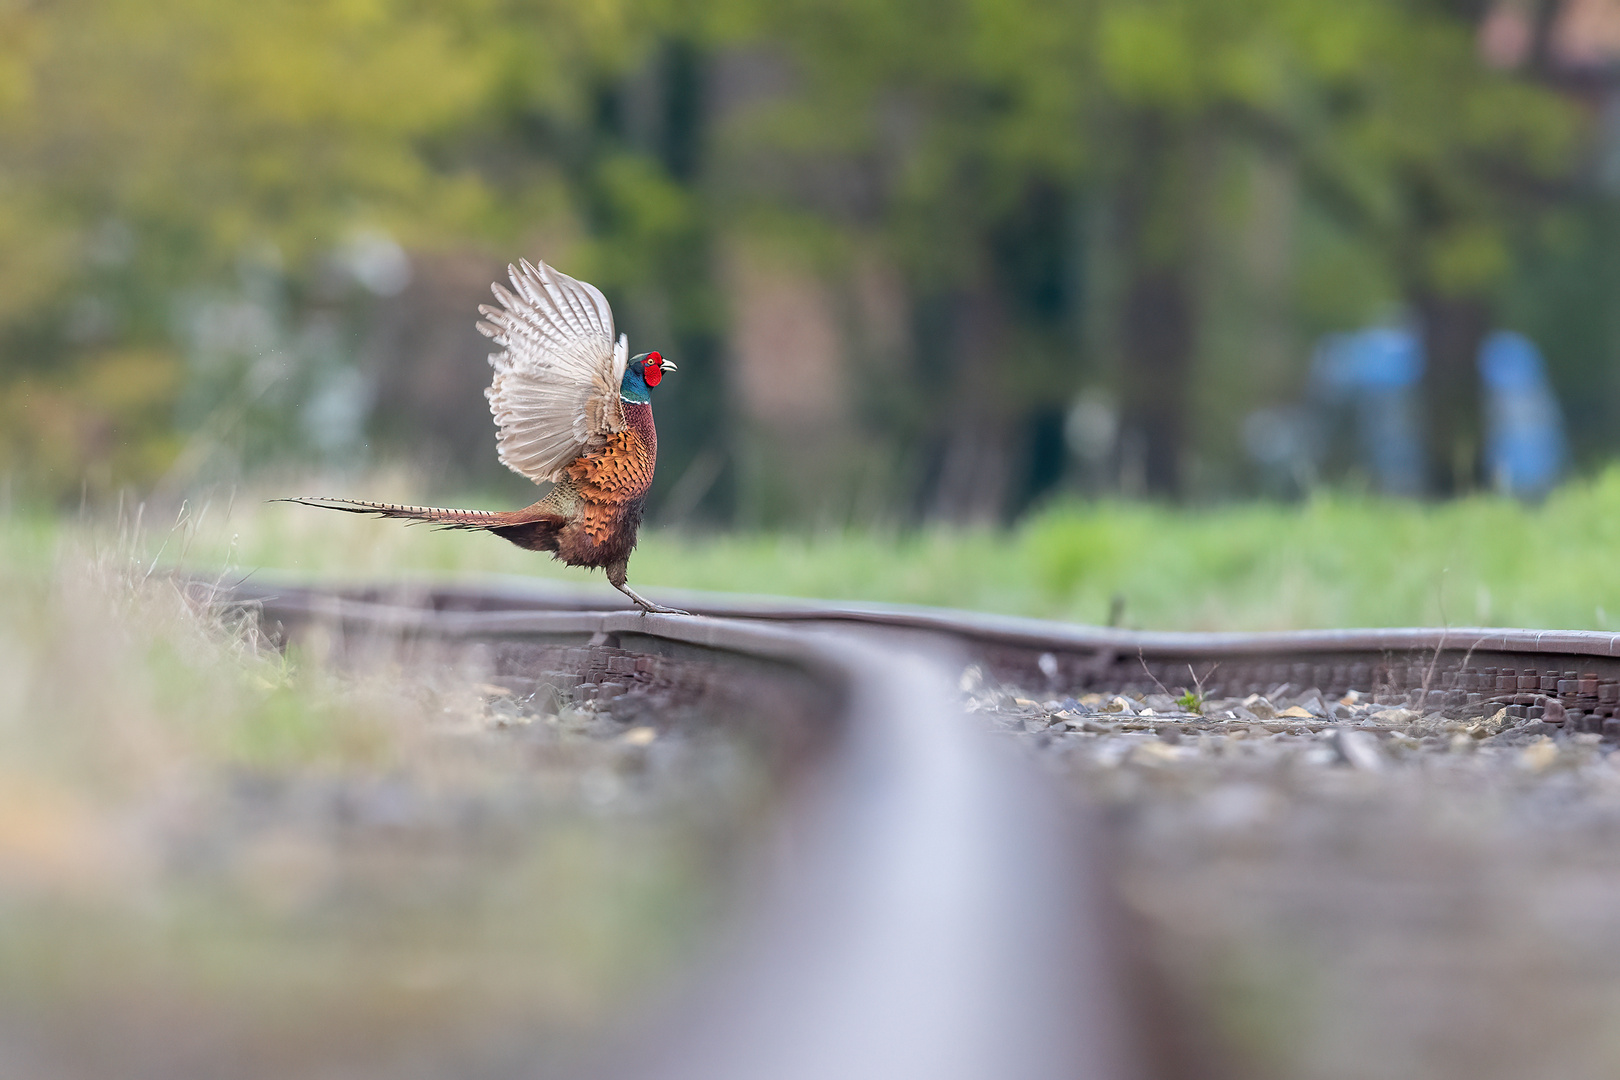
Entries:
{"x":1336,"y":560}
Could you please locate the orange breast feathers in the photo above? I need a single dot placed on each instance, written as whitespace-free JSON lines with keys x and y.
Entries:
{"x":610,"y":479}
{"x":620,"y":472}
{"x":616,"y":475}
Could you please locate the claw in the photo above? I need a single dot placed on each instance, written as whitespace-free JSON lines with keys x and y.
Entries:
{"x":647,"y":606}
{"x":658,"y":609}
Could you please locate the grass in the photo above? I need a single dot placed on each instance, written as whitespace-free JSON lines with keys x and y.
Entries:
{"x":1336,"y":560}
{"x":187,"y":864}
{"x":133,"y":888}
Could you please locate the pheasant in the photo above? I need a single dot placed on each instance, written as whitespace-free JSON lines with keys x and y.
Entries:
{"x":571,"y":408}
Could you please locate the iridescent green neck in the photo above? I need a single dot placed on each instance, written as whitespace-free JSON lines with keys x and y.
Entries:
{"x":633,"y":387}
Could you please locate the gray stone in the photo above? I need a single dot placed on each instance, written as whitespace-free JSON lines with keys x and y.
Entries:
{"x":1359,"y":749}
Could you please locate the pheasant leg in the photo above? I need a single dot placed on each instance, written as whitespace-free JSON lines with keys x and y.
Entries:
{"x":616,"y":578}
{"x":647,"y":606}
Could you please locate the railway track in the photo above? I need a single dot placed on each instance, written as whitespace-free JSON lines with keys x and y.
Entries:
{"x":1566,"y":678}
{"x":890,"y":946}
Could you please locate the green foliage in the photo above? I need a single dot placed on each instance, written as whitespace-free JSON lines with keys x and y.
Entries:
{"x":151,"y":146}
{"x":1336,"y":560}
{"x":1030,"y":163}
{"x":1064,"y":557}
{"x":165,"y":157}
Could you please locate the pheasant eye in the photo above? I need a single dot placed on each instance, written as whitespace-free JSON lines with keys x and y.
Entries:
{"x":652,"y":369}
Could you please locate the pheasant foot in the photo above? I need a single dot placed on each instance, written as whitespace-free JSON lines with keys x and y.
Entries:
{"x":647,"y":606}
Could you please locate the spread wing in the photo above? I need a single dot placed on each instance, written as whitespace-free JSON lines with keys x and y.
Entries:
{"x":556,"y":388}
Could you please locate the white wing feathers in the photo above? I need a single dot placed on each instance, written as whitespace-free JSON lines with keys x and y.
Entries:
{"x":556,"y":388}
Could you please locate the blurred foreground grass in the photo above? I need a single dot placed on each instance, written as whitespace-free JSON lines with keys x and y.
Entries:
{"x":1336,"y":560}
{"x":214,"y":851}
{"x":220,"y":859}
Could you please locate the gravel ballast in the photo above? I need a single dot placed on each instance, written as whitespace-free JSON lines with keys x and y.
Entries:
{"x":1341,"y":887}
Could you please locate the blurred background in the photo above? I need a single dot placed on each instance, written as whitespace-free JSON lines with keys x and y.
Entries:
{"x":1172,"y":314}
{"x":917,"y":261}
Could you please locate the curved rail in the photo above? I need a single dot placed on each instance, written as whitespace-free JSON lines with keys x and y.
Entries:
{"x":895,"y":947}
{"x":886,"y":950}
{"x":1545,"y":673}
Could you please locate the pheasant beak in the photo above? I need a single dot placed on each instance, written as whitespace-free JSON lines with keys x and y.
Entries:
{"x":665,"y":364}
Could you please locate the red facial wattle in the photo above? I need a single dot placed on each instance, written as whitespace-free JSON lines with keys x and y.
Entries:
{"x":652,"y":370}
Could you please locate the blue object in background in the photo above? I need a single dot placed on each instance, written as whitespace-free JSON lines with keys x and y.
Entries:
{"x":1377,"y":373}
{"x":1525,"y":448}
{"x":1375,"y":377}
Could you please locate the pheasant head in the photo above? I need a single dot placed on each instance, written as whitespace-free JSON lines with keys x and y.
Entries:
{"x":641,"y":374}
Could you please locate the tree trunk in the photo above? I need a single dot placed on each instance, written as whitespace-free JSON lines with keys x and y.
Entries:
{"x":1158,"y":205}
{"x":974,"y":465}
{"x":1159,"y":211}
{"x":1157,"y":340}
{"x":1453,"y":328}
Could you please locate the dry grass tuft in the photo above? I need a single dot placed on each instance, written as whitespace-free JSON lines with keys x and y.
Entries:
{"x":214,"y":852}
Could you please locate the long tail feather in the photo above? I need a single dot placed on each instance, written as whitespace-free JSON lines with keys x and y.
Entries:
{"x":444,"y":519}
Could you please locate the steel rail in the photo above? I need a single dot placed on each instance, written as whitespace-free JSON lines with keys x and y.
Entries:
{"x":895,"y":949}
{"x":505,"y":594}
{"x":895,"y":945}
{"x":1057,"y":655}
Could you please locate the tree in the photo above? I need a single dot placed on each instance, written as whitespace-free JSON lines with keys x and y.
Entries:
{"x":944,"y":140}
{"x":987,"y":155}
{"x":1448,"y":168}
{"x":156,"y":152}
{"x":150,"y":147}
{"x":967,"y":117}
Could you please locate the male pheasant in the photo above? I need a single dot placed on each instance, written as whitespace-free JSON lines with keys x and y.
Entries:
{"x":572,"y":408}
